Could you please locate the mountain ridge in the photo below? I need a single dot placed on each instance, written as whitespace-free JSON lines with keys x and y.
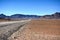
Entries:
{"x":56,"y":15}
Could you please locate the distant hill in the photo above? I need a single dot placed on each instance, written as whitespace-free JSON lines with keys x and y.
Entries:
{"x":18,"y":16}
{"x":21,"y":16}
{"x":53,"y":16}
{"x":2,"y":16}
{"x":24,"y":16}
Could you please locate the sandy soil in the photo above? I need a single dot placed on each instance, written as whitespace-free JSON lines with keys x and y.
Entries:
{"x":38,"y":30}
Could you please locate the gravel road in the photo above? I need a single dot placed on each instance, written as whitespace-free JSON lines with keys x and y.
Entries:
{"x":8,"y":28}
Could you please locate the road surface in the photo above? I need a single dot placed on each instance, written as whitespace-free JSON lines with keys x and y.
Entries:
{"x":8,"y":28}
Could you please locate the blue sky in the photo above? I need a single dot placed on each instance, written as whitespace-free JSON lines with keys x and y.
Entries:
{"x":29,"y":7}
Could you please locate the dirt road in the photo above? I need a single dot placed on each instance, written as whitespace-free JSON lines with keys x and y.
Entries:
{"x":8,"y":28}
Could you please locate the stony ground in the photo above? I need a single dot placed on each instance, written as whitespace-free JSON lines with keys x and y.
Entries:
{"x":38,"y":30}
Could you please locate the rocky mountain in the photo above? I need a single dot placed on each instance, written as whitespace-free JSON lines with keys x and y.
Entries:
{"x":53,"y":16}
{"x":18,"y":16}
{"x":56,"y":15}
{"x":21,"y":16}
{"x":2,"y":16}
{"x":24,"y":16}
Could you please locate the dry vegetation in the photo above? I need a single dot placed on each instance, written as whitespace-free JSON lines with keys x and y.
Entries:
{"x":3,"y":20}
{"x":39,"y":30}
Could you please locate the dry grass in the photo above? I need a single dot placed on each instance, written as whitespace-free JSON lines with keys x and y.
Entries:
{"x":3,"y":20}
{"x":39,"y":30}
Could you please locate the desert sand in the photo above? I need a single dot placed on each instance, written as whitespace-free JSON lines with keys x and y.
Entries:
{"x":38,"y":30}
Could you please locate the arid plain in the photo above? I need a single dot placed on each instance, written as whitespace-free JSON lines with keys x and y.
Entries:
{"x":38,"y":30}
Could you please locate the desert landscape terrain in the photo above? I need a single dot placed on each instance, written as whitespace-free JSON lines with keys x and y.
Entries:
{"x":48,"y":29}
{"x":29,"y":19}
